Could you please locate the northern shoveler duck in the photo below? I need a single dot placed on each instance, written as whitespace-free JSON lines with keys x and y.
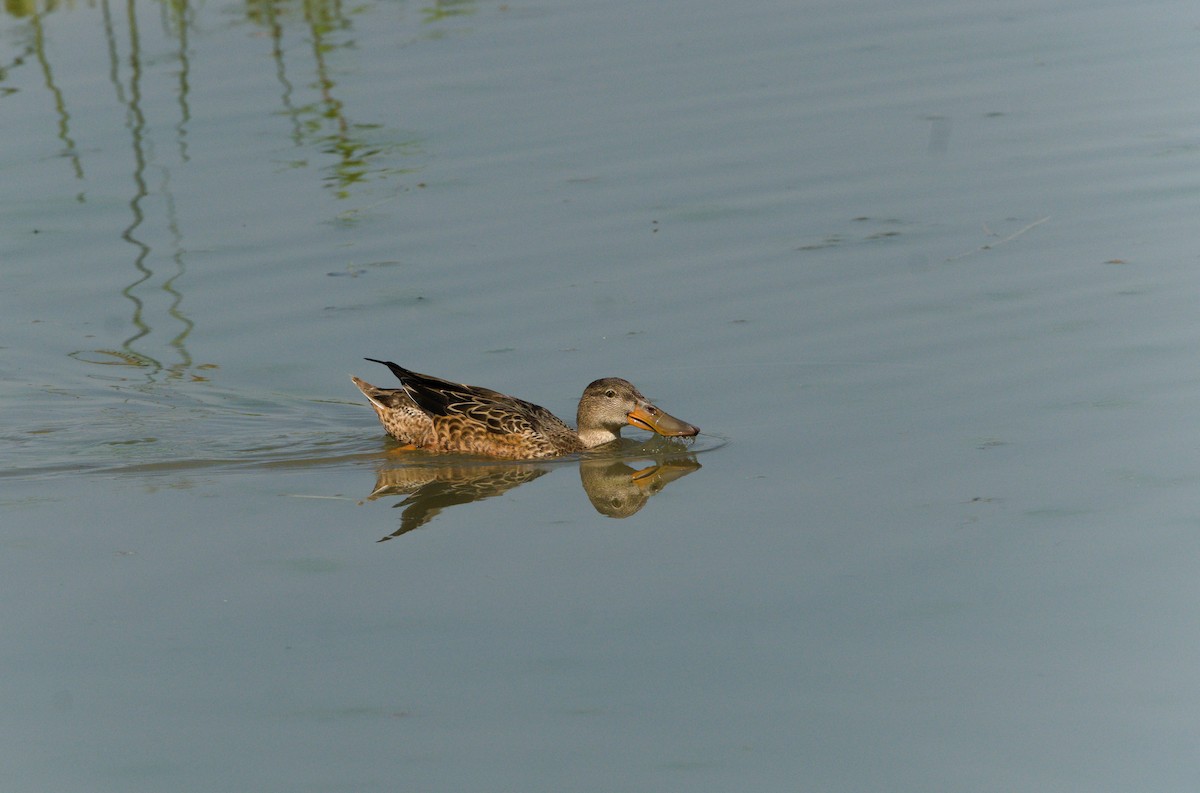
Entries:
{"x":438,"y":415}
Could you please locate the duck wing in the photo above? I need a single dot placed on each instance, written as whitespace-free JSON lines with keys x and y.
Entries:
{"x":496,"y":412}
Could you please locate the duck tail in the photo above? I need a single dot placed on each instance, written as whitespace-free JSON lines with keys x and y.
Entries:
{"x":372,"y":393}
{"x":400,"y":372}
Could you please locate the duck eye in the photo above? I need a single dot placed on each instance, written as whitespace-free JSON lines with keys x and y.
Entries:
{"x":610,"y":393}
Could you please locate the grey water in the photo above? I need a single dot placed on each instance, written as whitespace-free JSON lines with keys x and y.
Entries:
{"x":926,"y":275}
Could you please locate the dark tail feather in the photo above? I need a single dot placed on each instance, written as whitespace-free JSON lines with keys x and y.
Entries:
{"x":400,"y":372}
{"x":422,"y":389}
{"x":431,"y":394}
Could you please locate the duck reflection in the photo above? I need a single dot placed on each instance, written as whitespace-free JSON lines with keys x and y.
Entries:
{"x":615,"y":488}
{"x":429,"y":488}
{"x":618,"y":490}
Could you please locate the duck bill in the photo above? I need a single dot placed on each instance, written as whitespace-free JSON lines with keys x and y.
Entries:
{"x":648,"y":417}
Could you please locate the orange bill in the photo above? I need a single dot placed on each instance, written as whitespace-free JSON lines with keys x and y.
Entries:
{"x":647,"y":417}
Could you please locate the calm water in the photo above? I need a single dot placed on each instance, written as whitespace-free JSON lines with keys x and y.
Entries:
{"x":926,"y":273}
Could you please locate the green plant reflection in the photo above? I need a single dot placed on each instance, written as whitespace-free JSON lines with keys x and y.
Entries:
{"x":344,"y":152}
{"x":60,"y":108}
{"x":360,"y":151}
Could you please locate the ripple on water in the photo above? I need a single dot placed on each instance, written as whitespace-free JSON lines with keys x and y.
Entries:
{"x":144,"y":432}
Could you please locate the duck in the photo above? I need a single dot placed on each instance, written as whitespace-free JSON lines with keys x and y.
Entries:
{"x":438,"y":415}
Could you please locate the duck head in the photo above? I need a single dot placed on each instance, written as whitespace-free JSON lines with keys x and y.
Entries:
{"x":610,"y":403}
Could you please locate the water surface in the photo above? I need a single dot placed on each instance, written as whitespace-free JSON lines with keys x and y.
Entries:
{"x":926,"y":273}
